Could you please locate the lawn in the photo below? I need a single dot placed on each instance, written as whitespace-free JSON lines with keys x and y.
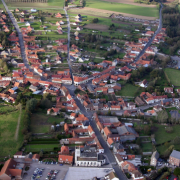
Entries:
{"x":128,"y":90}
{"x":146,"y":147}
{"x":39,"y":147}
{"x":123,"y":8}
{"x":59,"y":3}
{"x":162,"y":136}
{"x":8,"y":124}
{"x":173,"y":75}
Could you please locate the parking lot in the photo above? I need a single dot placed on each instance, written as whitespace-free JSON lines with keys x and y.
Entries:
{"x":62,"y":170}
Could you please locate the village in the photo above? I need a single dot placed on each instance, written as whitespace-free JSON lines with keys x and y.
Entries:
{"x":93,"y":102}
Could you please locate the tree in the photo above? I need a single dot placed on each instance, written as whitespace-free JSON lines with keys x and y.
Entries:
{"x":168,"y":151}
{"x":162,"y":116}
{"x":31,"y":105}
{"x":95,"y":20}
{"x":177,"y":171}
{"x":46,"y":103}
{"x":41,"y":153}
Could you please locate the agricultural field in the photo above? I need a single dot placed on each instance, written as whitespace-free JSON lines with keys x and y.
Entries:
{"x":123,"y":8}
{"x":8,"y":124}
{"x":51,"y":3}
{"x":173,"y":76}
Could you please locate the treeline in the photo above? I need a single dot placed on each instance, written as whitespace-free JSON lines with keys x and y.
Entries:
{"x":171,"y":21}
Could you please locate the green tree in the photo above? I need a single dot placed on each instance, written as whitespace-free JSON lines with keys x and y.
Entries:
{"x":177,"y":171}
{"x":162,"y":116}
{"x":31,"y":105}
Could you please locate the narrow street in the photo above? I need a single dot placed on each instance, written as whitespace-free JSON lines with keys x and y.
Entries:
{"x":151,"y":40}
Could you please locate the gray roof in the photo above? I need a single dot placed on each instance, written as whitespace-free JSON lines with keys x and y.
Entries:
{"x":155,"y":155}
{"x":118,"y":146}
{"x":175,"y":154}
{"x":86,"y":123}
{"x":125,"y":129}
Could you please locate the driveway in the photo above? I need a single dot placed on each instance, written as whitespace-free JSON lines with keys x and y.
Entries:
{"x":47,"y":167}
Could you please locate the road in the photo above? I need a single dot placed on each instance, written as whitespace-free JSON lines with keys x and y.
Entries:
{"x":71,"y":88}
{"x":151,"y":40}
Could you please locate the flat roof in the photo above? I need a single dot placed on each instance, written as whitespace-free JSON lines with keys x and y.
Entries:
{"x":84,"y":173}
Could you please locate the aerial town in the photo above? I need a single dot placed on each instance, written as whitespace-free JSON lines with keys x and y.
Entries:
{"x":89,"y":90}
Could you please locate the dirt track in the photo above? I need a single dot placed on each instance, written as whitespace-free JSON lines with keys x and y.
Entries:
{"x":131,"y":2}
{"x":111,"y":12}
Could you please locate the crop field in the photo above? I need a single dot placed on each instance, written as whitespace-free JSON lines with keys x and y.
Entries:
{"x":173,"y":75}
{"x":123,"y":8}
{"x":8,"y":124}
{"x":51,"y":3}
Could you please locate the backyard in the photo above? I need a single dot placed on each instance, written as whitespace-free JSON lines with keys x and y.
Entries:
{"x":40,"y":122}
{"x":161,"y":136}
{"x":128,"y":90}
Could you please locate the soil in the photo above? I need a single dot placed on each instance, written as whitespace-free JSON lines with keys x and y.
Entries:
{"x":99,"y":27}
{"x":124,"y":14}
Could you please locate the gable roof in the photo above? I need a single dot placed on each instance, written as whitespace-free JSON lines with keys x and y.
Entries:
{"x":175,"y":154}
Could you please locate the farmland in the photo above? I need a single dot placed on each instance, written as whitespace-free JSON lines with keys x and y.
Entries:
{"x":8,"y":124}
{"x":123,"y":8}
{"x":173,"y":75}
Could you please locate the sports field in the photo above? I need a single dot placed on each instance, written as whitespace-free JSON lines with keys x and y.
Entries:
{"x":173,"y":75}
{"x":123,"y":8}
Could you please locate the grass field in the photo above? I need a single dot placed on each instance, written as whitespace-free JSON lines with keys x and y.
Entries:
{"x":123,"y":8}
{"x":162,"y":136}
{"x":8,"y":124}
{"x":146,"y":147}
{"x":128,"y":90}
{"x":173,"y":75}
{"x":39,"y":147}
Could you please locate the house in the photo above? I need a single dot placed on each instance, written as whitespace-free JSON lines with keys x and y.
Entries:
{"x":88,"y":157}
{"x":65,"y":159}
{"x":154,"y":158}
{"x":119,"y":159}
{"x":174,"y":158}
{"x":118,"y":148}
{"x":35,"y":157}
{"x":139,"y":101}
{"x":10,"y":170}
{"x":127,"y":133}
{"x":19,"y":155}
{"x":107,"y":132}
{"x":143,"y":83}
{"x":64,"y":150}
{"x":136,"y":175}
{"x":111,"y":176}
{"x":168,"y":89}
{"x":53,"y":111}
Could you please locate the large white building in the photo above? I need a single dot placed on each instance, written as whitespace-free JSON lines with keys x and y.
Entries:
{"x":88,"y":157}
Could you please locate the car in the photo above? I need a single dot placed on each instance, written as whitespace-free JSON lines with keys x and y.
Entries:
{"x":61,"y":164}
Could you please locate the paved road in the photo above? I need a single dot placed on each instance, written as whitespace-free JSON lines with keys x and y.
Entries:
{"x":151,"y":40}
